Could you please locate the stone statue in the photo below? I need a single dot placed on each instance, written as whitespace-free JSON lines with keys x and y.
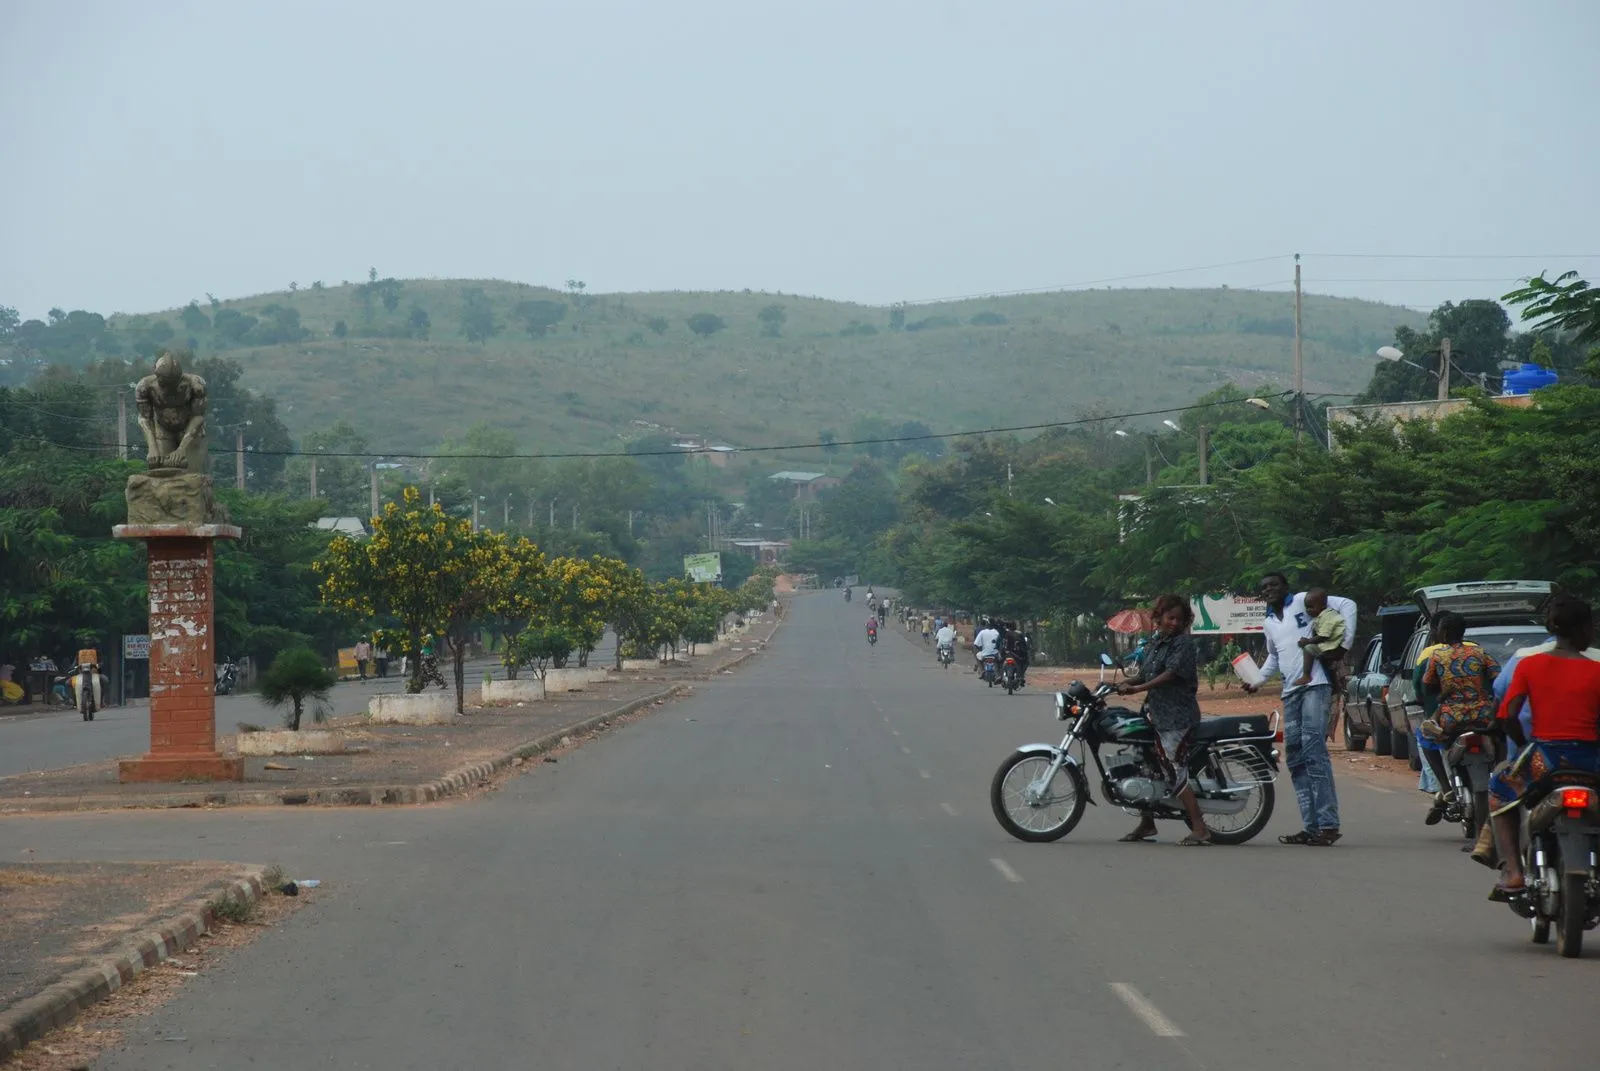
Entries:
{"x":172,"y":415}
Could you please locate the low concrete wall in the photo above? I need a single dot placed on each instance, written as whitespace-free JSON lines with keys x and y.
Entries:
{"x":600,"y":674}
{"x":566,"y":680}
{"x":636,"y":664}
{"x":424,"y":708}
{"x":287,"y":742}
{"x":520,"y":690}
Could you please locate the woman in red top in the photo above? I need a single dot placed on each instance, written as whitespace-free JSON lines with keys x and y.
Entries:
{"x":1564,"y":687}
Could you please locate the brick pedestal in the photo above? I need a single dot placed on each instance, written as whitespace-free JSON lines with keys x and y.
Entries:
{"x":183,"y":725}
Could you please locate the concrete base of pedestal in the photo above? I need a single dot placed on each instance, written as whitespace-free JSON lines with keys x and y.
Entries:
{"x":173,"y":768}
{"x":290,"y":742}
{"x":566,"y":680}
{"x":599,"y":676}
{"x":423,"y":708}
{"x":521,"y":690}
{"x":638,"y":664}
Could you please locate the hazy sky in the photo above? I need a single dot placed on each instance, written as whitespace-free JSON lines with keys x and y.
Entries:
{"x":876,"y":150}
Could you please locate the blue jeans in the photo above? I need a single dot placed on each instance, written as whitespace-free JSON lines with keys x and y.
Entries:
{"x":1427,"y":782}
{"x":1305,"y":737}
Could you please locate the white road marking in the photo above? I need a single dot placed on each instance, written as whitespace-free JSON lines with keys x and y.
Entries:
{"x":1006,"y":871}
{"x":924,"y":774}
{"x":1378,"y":788}
{"x":949,"y":810}
{"x":894,"y":732}
{"x":905,"y":749}
{"x":1159,"y":1024}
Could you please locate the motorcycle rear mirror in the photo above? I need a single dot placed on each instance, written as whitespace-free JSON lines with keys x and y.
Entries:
{"x":1105,"y":660}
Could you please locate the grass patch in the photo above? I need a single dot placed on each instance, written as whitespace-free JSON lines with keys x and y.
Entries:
{"x":229,"y":908}
{"x":20,"y":879}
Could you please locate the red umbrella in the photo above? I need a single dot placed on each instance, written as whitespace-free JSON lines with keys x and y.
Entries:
{"x":1131,"y":621}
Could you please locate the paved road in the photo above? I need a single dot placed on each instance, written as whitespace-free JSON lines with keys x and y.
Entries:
{"x":796,"y":869}
{"x":62,"y":738}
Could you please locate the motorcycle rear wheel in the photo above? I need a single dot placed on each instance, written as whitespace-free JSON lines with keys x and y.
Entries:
{"x":1262,"y":798}
{"x":1019,"y":770}
{"x":1574,"y":913}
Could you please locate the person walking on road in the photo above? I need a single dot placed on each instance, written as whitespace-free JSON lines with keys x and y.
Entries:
{"x":1306,"y":708}
{"x":363,"y":656}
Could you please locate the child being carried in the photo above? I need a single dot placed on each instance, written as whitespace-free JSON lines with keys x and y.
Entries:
{"x":1326,"y":641}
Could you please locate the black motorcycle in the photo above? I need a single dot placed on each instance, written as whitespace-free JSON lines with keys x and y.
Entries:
{"x":1010,"y":675}
{"x":1561,"y":865}
{"x":947,"y":654}
{"x":1468,"y":761}
{"x":228,"y":678}
{"x":1040,"y":790}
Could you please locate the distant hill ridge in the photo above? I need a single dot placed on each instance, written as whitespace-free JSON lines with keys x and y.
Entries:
{"x":413,"y":362}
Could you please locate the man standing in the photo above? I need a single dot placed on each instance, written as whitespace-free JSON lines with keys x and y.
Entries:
{"x":1307,"y":723}
{"x":363,"y":656}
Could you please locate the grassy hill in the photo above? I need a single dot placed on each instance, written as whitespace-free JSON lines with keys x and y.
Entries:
{"x":614,"y":359}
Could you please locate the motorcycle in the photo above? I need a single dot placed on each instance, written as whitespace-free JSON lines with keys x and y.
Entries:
{"x":987,"y":674}
{"x":1010,"y":676}
{"x":83,"y":683}
{"x":1560,"y":862}
{"x":872,"y":637}
{"x":947,"y":654}
{"x":1468,"y":761}
{"x":227,"y":678}
{"x":1040,"y":791}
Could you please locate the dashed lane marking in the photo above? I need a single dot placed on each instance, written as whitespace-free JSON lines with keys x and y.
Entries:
{"x":1006,"y":871}
{"x":1140,"y":1005}
{"x":947,"y":809}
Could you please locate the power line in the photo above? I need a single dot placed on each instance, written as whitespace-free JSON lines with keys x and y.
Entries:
{"x":1076,"y":422}
{"x":1457,"y":256}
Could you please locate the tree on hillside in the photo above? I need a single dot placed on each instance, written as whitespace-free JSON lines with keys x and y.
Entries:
{"x":340,"y":329}
{"x":418,"y":324}
{"x":539,"y":317}
{"x":193,"y":319}
{"x":658,"y":324}
{"x":897,"y":316}
{"x":705,"y":324}
{"x":477,"y":315}
{"x":772,"y":319}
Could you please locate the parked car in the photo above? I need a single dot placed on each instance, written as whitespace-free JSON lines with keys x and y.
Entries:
{"x":1502,"y":615}
{"x":1366,"y":709}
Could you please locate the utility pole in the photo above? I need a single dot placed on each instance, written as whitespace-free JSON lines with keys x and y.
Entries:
{"x":313,"y":477}
{"x":530,"y":510}
{"x":238,"y":458}
{"x":505,"y":518}
{"x":430,"y":495}
{"x":552,"y":513}
{"x":1149,"y":462}
{"x":122,"y":425}
{"x":1444,"y":369}
{"x":574,"y":516}
{"x":1205,"y":448}
{"x":374,"y":472}
{"x":474,"y":513}
{"x":1008,"y":479}
{"x":1299,"y":361}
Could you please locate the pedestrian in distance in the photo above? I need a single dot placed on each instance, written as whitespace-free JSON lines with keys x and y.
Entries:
{"x":363,"y":656}
{"x":1307,"y":708}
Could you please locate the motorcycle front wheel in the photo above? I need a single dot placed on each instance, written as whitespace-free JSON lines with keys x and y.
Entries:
{"x":1059,"y":804}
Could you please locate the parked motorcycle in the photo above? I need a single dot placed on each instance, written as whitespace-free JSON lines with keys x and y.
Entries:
{"x":1468,"y":761}
{"x":1039,"y":792}
{"x":1560,"y":862}
{"x":947,"y":654}
{"x":1010,"y":676}
{"x":227,"y":678}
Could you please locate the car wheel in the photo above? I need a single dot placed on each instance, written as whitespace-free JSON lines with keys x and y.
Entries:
{"x":1382,"y":737}
{"x":1353,"y":741}
{"x":1400,"y":745}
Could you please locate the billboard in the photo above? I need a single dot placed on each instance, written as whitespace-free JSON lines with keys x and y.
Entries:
{"x":136,"y":648}
{"x":1227,"y":615}
{"x":703,"y":568}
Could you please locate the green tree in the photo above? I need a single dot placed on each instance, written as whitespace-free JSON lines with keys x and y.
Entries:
{"x":772,"y":319}
{"x":539,"y":318}
{"x":418,"y":325}
{"x":477,"y":315}
{"x":658,"y":324}
{"x":295,"y":678}
{"x":705,"y":324}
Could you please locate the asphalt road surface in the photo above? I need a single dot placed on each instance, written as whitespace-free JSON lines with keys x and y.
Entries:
{"x":796,"y":868}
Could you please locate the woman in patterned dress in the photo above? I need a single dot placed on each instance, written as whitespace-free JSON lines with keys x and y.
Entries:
{"x":1170,"y":681}
{"x":1462,"y":675}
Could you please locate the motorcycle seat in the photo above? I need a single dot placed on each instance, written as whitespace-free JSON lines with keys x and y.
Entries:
{"x":1232,"y":727}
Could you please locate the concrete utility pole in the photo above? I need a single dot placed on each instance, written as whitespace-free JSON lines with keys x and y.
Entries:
{"x":1299,"y":362}
{"x":552,"y":513}
{"x":530,"y":509}
{"x":313,"y":477}
{"x":474,"y":513}
{"x":574,"y":516}
{"x":238,"y":458}
{"x":1205,"y":448}
{"x":1444,"y":369}
{"x":122,"y":425}
{"x":374,"y":489}
{"x":505,"y":514}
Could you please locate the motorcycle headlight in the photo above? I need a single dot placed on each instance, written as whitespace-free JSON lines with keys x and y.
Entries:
{"x":1061,"y":706}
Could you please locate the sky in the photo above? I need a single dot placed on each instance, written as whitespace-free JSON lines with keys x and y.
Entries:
{"x":152,"y":152}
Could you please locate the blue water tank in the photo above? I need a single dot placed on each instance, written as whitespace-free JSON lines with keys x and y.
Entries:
{"x":1527,"y":378}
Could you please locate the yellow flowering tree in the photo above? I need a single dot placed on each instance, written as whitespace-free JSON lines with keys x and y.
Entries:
{"x":522,"y":589}
{"x":411,"y":570}
{"x":579,"y":594}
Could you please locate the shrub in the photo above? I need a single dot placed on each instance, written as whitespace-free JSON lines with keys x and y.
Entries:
{"x":296,"y":677}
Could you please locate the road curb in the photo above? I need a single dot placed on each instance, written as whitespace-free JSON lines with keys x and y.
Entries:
{"x":450,"y":784}
{"x":58,"y":1004}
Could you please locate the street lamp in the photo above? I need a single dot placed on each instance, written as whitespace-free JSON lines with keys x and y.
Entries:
{"x":1052,"y":501}
{"x":1259,"y":403}
{"x":1149,"y":462}
{"x":1173,"y":425}
{"x":1393,"y":355}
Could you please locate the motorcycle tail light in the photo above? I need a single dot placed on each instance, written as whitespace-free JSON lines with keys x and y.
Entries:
{"x":1474,"y":744}
{"x":1278,"y":738}
{"x":1575,"y":801}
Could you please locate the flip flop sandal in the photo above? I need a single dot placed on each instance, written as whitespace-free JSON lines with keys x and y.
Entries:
{"x":1192,"y":841}
{"x":1137,"y":837}
{"x":1305,"y":836}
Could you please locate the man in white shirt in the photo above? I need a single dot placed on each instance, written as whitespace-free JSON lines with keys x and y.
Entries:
{"x":946,"y":636}
{"x":1307,"y":723}
{"x":986,"y":643}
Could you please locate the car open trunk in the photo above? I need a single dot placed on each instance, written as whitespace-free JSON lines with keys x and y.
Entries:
{"x":1483,"y":602}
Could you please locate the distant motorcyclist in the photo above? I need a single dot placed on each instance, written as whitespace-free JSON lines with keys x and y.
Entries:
{"x":1014,"y":645}
{"x":986,"y":644}
{"x":846,"y":594}
{"x":945,"y":640}
{"x":872,"y":628}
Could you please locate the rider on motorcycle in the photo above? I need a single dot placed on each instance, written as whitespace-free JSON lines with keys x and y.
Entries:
{"x":1014,"y":644}
{"x":986,"y":644}
{"x":1563,"y":687}
{"x":872,"y":626}
{"x":946,"y":640}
